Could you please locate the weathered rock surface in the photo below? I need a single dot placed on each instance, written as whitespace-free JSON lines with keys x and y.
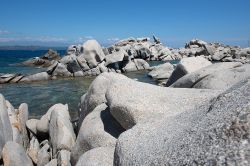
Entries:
{"x":31,"y":125}
{"x":45,"y":60}
{"x":14,"y":155}
{"x":162,"y":72}
{"x":187,"y":65}
{"x":36,"y":77}
{"x":98,"y":156}
{"x":61,"y":131}
{"x":214,"y":134}
{"x":191,"y":79}
{"x":53,"y":162}
{"x":33,"y":149}
{"x":44,"y":154}
{"x":131,"y":102}
{"x":5,"y":126}
{"x":63,"y":158}
{"x":98,"y":129}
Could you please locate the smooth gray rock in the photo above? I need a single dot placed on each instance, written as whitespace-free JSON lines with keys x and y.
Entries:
{"x":189,"y":80}
{"x":54,"y":162}
{"x":14,"y":155}
{"x":61,"y":70}
{"x":62,"y":136}
{"x":42,"y":125}
{"x":135,"y":65}
{"x":93,"y":53}
{"x":44,"y":154}
{"x":33,"y":149}
{"x":186,"y":66}
{"x":96,"y":157}
{"x":96,"y":94}
{"x":162,"y":71}
{"x":118,"y":56}
{"x":43,"y":76}
{"x":63,"y":158}
{"x":132,"y":102}
{"x":31,"y":126}
{"x":23,"y":115}
{"x":82,"y":62}
{"x":5,"y":126}
{"x":99,"y":129}
{"x":213,"y":134}
{"x":224,"y":79}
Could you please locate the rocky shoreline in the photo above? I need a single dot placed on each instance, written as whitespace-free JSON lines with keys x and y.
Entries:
{"x":127,"y":55}
{"x":199,"y":117}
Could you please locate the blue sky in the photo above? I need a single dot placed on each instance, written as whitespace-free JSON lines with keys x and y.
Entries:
{"x":62,"y":22}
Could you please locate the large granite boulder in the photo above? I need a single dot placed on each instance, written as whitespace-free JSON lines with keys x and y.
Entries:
{"x":135,"y":65}
{"x":186,"y":66}
{"x":98,"y":129}
{"x":224,"y":79}
{"x":6,"y":133}
{"x":99,"y":156}
{"x":162,"y":72}
{"x":132,"y":102}
{"x":215,"y":133}
{"x":62,"y":136}
{"x":14,"y":155}
{"x":93,"y":53}
{"x":191,"y":79}
{"x":43,"y":76}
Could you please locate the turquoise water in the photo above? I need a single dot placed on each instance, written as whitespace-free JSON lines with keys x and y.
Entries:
{"x":40,"y":96}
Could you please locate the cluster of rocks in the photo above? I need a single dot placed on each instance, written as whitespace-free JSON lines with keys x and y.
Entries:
{"x":44,"y":61}
{"x":88,"y":59}
{"x":214,"y":51}
{"x":201,"y":119}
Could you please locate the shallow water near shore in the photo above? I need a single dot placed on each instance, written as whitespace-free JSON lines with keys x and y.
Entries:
{"x":40,"y":96}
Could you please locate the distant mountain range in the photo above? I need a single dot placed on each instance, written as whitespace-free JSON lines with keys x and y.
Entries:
{"x":31,"y":48}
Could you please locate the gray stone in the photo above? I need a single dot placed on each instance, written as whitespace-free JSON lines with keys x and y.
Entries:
{"x":135,"y":65}
{"x":5,"y":126}
{"x":95,"y":94}
{"x":82,"y":62}
{"x":61,"y":131}
{"x":31,"y":125}
{"x":96,"y":157}
{"x":216,"y":133}
{"x":131,"y":102}
{"x":63,"y":158}
{"x":53,"y":162}
{"x":43,"y":76}
{"x":61,"y":70}
{"x":189,"y":80}
{"x":93,"y":53}
{"x":116,"y":57}
{"x":14,"y":155}
{"x":33,"y":149}
{"x":23,"y":115}
{"x":44,"y":155}
{"x":99,"y":129}
{"x":163,"y":71}
{"x":224,"y":79}
{"x":186,"y":66}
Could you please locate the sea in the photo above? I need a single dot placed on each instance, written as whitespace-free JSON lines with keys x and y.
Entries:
{"x":40,"y":96}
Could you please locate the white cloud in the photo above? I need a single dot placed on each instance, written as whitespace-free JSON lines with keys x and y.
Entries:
{"x":32,"y":39}
{"x":3,"y":32}
{"x":113,"y":39}
{"x":83,"y":39}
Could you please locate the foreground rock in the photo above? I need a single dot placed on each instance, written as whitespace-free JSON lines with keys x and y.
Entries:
{"x":186,"y":66}
{"x":99,"y":129}
{"x":98,"y":156}
{"x":213,"y":134}
{"x":61,"y":131}
{"x":6,"y":133}
{"x":14,"y":155}
{"x":216,"y":76}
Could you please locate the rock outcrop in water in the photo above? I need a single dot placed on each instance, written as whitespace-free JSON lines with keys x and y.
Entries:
{"x":127,"y":55}
{"x":126,"y":122}
{"x":44,"y":61}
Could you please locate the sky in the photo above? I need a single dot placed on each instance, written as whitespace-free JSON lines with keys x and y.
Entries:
{"x":175,"y":22}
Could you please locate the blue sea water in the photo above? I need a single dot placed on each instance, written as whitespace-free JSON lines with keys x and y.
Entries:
{"x":40,"y":96}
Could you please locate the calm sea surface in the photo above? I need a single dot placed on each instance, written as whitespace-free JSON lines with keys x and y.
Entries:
{"x":40,"y":96}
